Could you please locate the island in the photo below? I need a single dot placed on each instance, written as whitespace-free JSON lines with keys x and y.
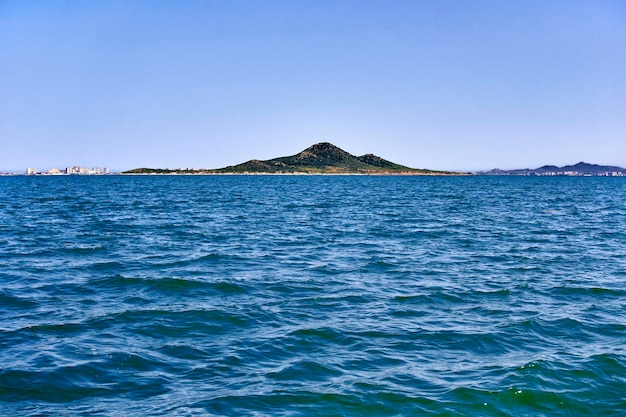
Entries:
{"x":321,"y":158}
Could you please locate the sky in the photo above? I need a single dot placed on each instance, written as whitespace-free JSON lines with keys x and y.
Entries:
{"x":455,"y":85}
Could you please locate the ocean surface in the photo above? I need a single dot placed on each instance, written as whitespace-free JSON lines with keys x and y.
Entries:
{"x":312,"y":296}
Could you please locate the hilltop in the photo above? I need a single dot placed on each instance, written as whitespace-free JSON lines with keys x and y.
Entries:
{"x":321,"y":158}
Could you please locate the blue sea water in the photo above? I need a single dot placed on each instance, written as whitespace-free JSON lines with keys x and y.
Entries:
{"x":312,"y":296}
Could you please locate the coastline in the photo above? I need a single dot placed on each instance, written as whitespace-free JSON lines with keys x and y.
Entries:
{"x":377,"y":174}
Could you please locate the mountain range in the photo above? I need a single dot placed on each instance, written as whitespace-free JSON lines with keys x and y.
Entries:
{"x":326,"y":158}
{"x":581,"y":168}
{"x":321,"y":158}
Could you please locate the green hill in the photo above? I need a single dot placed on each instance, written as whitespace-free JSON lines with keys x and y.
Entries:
{"x":321,"y":158}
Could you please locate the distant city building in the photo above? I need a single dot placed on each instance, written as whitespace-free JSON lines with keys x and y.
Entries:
{"x":75,"y":170}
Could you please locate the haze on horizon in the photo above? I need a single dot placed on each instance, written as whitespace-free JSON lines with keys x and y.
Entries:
{"x":444,"y":85}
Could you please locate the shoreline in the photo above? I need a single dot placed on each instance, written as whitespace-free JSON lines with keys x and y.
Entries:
{"x":381,"y":174}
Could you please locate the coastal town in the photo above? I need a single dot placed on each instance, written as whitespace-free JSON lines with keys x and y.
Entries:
{"x":75,"y":170}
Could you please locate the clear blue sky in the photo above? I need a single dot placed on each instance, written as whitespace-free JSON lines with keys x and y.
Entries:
{"x":440,"y":84}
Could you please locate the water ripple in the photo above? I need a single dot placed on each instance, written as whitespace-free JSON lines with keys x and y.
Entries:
{"x":312,"y":296}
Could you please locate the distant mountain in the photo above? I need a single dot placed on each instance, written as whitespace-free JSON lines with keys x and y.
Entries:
{"x":579,"y":169}
{"x":321,"y":158}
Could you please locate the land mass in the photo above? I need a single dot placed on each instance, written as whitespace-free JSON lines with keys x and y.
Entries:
{"x":579,"y":169}
{"x":321,"y":158}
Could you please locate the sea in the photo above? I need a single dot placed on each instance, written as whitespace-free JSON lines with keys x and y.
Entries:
{"x":312,"y":295}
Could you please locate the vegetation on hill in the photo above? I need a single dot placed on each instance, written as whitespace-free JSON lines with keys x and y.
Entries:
{"x":321,"y":158}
